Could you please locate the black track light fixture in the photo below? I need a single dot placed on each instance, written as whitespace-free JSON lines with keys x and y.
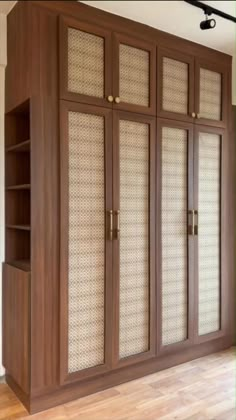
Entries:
{"x":207,"y":23}
{"x":209,"y":10}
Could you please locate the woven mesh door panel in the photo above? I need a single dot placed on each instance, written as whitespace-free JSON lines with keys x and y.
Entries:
{"x":209,"y":233}
{"x":210,"y":94}
{"x":134,"y":75}
{"x":134,"y":240}
{"x":86,"y":241}
{"x":175,"y":86}
{"x":174,"y":235}
{"x":85,"y":63}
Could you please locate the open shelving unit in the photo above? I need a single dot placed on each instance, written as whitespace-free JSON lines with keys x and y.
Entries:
{"x":18,"y":187}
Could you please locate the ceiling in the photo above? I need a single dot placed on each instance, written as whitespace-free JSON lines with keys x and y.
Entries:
{"x":178,"y":18}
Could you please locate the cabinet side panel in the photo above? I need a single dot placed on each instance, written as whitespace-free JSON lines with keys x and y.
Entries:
{"x":45,"y":206}
{"x":16,"y":325}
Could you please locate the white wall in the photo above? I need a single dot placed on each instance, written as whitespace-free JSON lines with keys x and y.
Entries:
{"x":2,"y":101}
{"x":234,"y":73}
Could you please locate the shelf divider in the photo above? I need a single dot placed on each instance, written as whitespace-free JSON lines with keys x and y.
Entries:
{"x":19,"y":227}
{"x":19,"y":187}
{"x":21,"y":264}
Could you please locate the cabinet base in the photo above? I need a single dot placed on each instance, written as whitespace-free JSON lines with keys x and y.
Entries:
{"x":35,"y":403}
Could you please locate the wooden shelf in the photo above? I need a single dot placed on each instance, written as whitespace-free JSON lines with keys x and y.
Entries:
{"x":19,"y":227}
{"x":24,"y":146}
{"x":21,"y":264}
{"x":19,"y":187}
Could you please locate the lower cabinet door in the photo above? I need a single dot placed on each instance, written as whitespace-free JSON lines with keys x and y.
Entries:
{"x":86,"y":249}
{"x":134,"y":238}
{"x":209,"y":168}
{"x":175,"y":244}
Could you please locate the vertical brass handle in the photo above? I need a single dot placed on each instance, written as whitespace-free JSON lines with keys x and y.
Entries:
{"x":117,"y":213}
{"x":192,"y":224}
{"x":110,"y":213}
{"x":195,"y":222}
{"x":193,"y":227}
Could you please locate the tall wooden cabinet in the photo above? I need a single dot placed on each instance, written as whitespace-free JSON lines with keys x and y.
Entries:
{"x":119,"y":158}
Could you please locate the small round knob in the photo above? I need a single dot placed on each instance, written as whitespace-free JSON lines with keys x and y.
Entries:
{"x":110,"y":98}
{"x":117,"y":100}
{"x":193,"y":114}
{"x":198,"y":116}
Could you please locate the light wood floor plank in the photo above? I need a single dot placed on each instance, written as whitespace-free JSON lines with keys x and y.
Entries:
{"x":203,"y":389}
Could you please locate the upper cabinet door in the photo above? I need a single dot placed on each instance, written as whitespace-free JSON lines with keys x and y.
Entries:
{"x":85,"y":63}
{"x":210,"y":93}
{"x":134,"y":75}
{"x":175,"y":97}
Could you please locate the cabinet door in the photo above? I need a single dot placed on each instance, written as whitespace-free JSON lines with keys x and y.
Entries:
{"x":175,"y":240}
{"x":85,"y":62}
{"x":134,"y":74}
{"x":208,"y":170}
{"x":175,"y":88}
{"x":86,"y":250}
{"x":134,"y":244}
{"x":210,"y":93}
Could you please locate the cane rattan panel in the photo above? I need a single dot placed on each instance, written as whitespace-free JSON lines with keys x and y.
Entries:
{"x":134,"y":238}
{"x":86,"y":241}
{"x":175,"y":86}
{"x":134,"y":75}
{"x":85,"y":63}
{"x":174,"y":235}
{"x":210,"y":94}
{"x":209,"y":232}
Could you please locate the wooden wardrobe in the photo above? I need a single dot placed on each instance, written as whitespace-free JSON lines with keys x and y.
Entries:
{"x":119,"y":202}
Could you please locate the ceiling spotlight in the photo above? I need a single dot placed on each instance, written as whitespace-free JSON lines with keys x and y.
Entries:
{"x":208,"y":23}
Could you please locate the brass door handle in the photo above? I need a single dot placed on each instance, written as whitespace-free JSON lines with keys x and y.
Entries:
{"x":195,"y":222}
{"x":193,"y":115}
{"x":192,"y":227}
{"x":117,"y":229}
{"x":117,"y":100}
{"x":110,"y":98}
{"x":110,"y":214}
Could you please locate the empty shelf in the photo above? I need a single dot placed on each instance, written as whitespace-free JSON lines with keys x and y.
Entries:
{"x":24,"y":146}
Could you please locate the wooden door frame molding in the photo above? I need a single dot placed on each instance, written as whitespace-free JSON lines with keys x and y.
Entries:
{"x":65,"y":108}
{"x":184,"y":58}
{"x":173,"y":348}
{"x":116,"y":362}
{"x":66,"y":22}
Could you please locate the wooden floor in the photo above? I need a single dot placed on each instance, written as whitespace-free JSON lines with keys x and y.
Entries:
{"x":201,"y":389}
